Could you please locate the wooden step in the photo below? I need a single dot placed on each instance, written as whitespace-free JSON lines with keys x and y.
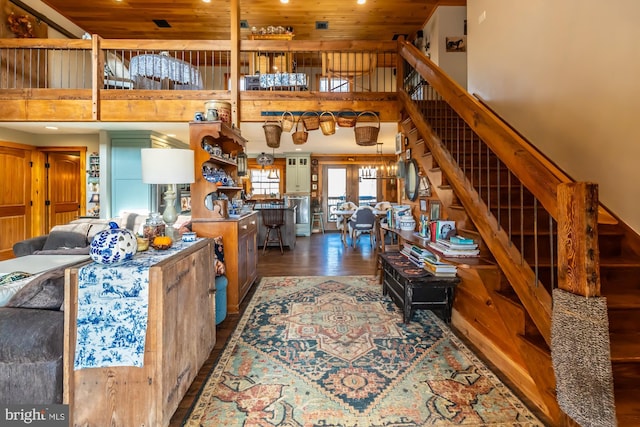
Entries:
{"x":626,"y":381}
{"x":625,"y":347}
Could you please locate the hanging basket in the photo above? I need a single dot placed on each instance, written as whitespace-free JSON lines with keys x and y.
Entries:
{"x":299,"y":136}
{"x":287,"y":121}
{"x":272,"y":133}
{"x":346,"y":118}
{"x":327,"y":123}
{"x":310,"y":121}
{"x":366,"y":135}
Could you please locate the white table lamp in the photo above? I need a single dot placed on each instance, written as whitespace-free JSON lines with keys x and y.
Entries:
{"x":168,"y":167}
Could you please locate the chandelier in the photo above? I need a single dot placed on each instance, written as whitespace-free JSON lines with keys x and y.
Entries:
{"x":381,"y":169}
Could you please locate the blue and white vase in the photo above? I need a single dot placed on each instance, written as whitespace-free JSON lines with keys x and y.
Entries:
{"x":113,"y":246}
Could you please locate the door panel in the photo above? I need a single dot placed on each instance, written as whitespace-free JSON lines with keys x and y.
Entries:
{"x":15,"y":198}
{"x":64,"y":188}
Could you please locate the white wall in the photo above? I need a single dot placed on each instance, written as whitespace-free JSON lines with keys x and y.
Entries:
{"x":565,"y":74}
{"x":447,"y":21}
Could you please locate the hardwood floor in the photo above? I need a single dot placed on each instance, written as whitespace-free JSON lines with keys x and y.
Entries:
{"x":317,"y":255}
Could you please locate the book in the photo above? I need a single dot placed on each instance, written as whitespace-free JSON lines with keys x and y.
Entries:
{"x":452,"y":253}
{"x":451,"y":245}
{"x":459,"y":240}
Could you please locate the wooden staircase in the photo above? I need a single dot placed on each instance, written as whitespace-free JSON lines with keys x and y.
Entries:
{"x":487,"y":310}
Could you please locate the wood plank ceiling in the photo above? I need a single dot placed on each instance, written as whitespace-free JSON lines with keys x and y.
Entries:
{"x":197,"y":20}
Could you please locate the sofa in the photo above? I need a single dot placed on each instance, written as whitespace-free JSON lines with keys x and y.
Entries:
{"x":31,"y":338}
{"x":75,"y":237}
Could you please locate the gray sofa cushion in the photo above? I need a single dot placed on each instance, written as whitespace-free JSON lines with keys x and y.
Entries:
{"x":45,"y":291}
{"x":31,"y":347}
{"x":68,"y":236}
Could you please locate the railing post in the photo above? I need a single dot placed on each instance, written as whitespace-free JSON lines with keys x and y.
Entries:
{"x":578,"y":254}
{"x":97,"y":60}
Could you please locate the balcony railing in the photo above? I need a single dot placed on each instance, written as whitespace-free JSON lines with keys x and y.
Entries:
{"x":193,"y":65}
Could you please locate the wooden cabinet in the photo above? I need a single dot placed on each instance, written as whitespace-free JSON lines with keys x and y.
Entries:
{"x":203,"y":138}
{"x":265,"y":62}
{"x":298,"y":173}
{"x":180,"y":335}
{"x":239,"y":238}
{"x":238,"y":234}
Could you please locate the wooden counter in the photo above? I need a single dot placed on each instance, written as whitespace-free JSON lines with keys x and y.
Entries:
{"x":239,"y":237}
{"x":180,"y":335}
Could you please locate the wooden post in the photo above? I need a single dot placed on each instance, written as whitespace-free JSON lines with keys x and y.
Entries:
{"x":235,"y":62}
{"x":97,"y":59}
{"x":578,"y":254}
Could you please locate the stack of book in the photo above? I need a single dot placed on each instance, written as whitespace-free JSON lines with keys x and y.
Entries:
{"x":429,"y":261}
{"x":456,"y":246}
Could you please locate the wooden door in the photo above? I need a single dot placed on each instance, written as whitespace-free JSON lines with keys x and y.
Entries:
{"x":64,"y":188}
{"x":15,"y":197}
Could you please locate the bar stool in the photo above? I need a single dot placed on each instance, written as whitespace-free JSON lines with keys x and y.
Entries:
{"x":318,"y":217}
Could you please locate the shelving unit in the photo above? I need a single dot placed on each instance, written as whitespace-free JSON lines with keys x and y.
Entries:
{"x":239,"y":235}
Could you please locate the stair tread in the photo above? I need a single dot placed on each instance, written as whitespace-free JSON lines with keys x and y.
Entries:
{"x":622,"y":299}
{"x":625,"y":346}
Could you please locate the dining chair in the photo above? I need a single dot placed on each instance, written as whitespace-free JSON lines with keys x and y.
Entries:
{"x":273,"y":220}
{"x":362,"y":221}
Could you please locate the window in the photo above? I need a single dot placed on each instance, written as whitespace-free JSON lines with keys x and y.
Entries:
{"x":367,"y":186}
{"x":333,"y":85}
{"x":261,"y":184}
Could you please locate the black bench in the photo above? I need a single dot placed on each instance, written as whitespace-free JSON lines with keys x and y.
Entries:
{"x":412,"y":287}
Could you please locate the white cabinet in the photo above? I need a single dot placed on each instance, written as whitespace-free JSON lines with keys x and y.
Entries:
{"x":299,"y":173}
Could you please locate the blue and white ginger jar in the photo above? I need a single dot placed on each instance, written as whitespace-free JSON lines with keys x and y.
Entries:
{"x":113,"y":246}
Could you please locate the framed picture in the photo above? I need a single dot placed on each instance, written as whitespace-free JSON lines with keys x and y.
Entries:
{"x":434,"y":210}
{"x":423,"y":205}
{"x":399,"y":140}
{"x":314,"y":186}
{"x":425,"y":188}
{"x":408,"y":154}
{"x":456,"y":44}
{"x":314,"y":178}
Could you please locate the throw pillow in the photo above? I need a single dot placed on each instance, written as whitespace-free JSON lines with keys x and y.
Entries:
{"x":67,"y":236}
{"x":45,"y":291}
{"x":218,"y":261}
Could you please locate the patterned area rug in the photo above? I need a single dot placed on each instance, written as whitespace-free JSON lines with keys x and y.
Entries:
{"x":332,"y":351}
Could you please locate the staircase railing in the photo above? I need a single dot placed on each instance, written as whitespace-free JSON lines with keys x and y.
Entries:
{"x":509,"y":190}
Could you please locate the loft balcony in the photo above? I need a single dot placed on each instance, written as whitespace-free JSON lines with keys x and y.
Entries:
{"x":163,"y":80}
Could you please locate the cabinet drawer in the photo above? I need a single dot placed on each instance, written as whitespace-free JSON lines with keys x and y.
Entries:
{"x":248,"y":224}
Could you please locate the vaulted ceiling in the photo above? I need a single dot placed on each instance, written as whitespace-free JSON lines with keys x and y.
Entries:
{"x":197,"y":20}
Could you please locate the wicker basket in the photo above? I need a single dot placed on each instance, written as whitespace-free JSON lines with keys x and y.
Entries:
{"x":366,"y":135}
{"x":310,"y":121}
{"x":287,"y":121}
{"x":272,"y":133}
{"x":299,"y":136}
{"x":346,"y":118}
{"x":327,"y":123}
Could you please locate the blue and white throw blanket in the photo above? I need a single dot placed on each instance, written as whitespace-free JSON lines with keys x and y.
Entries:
{"x":113,"y":302}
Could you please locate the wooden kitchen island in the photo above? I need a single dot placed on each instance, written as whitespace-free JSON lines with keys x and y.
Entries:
{"x":180,"y":335}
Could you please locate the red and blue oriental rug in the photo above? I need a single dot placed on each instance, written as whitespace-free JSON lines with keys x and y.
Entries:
{"x":332,"y":351}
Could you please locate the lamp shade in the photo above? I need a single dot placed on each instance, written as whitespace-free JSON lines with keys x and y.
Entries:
{"x":95,"y":198}
{"x":167,"y":166}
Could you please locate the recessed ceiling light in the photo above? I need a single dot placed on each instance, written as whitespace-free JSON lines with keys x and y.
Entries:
{"x":171,"y":135}
{"x":298,"y":149}
{"x":206,"y":1}
{"x":362,"y":1}
{"x":51,"y":127}
{"x":284,"y":1}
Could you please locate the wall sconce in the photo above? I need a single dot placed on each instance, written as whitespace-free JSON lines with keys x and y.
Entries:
{"x":170,"y":167}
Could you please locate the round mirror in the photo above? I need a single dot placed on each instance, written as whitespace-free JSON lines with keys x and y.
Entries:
{"x":411,"y":180}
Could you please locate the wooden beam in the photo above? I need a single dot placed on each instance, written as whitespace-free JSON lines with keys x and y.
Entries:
{"x":578,"y":253}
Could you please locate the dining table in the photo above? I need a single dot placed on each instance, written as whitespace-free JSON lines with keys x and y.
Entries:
{"x":171,"y":72}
